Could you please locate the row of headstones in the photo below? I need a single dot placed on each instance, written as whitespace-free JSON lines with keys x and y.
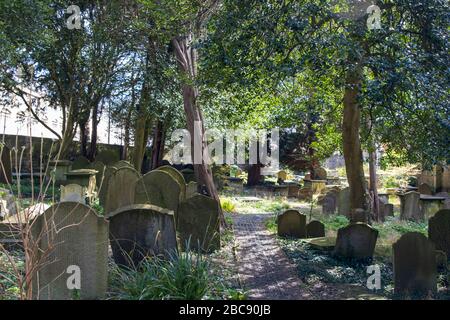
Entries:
{"x":414,"y":256}
{"x":410,"y":206}
{"x":196,"y":216}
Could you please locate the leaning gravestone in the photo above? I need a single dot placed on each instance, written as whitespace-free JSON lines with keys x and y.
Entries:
{"x":80,"y":163}
{"x":104,"y":182}
{"x":425,"y":189}
{"x":70,"y":240}
{"x":174,"y":173}
{"x":73,"y":193}
{"x":122,"y":164}
{"x":315,"y":229}
{"x":356,"y":241}
{"x":139,"y":231}
{"x":292,"y":223}
{"x":160,"y":189}
{"x":439,"y":230}
{"x":409,"y":207}
{"x":121,"y":188}
{"x":344,"y":202}
{"x":191,"y":189}
{"x":414,"y":260}
{"x":198,"y":223}
{"x":5,"y":165}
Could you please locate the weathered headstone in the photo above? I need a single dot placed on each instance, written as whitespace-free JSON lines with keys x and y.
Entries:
{"x":73,"y":193}
{"x":344,"y":202}
{"x":328,"y":202}
{"x":122,"y":164}
{"x":5,"y":165}
{"x":33,"y":211}
{"x":8,"y":205}
{"x":174,"y":173}
{"x":121,"y":188}
{"x":198,"y":223}
{"x":439,"y":230}
{"x":80,"y":163}
{"x":71,"y":240}
{"x":188,"y":174}
{"x":305,"y":194}
{"x":191,"y":189}
{"x":292,"y":223}
{"x":315,"y":229}
{"x":57,"y":169}
{"x":425,"y":189}
{"x":293,"y":190}
{"x":359,"y":215}
{"x":414,"y":260}
{"x":409,"y":206}
{"x":356,"y":241}
{"x":139,"y":231}
{"x":160,"y":189}
{"x":320,"y":173}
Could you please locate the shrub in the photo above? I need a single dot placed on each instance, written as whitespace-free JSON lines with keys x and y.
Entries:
{"x":228,"y":205}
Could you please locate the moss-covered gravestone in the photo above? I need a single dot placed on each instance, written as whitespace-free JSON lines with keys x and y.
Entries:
{"x":414,"y":260}
{"x":315,"y":229}
{"x":174,"y":173}
{"x":139,"y":231}
{"x":159,"y":188}
{"x":439,"y":230}
{"x":104,"y":182}
{"x":198,"y":223}
{"x":344,"y":202}
{"x":122,"y":164}
{"x":356,"y":241}
{"x":121,"y":188}
{"x":425,"y":189}
{"x":409,"y":207}
{"x":291,"y":223}
{"x":73,"y":193}
{"x":70,"y":253}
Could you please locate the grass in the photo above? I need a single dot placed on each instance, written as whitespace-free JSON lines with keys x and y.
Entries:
{"x":8,"y":278}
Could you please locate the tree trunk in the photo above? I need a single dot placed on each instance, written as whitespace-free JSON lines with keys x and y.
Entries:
{"x":254,"y":174}
{"x":186,"y":55}
{"x":84,"y":137}
{"x":93,"y":146}
{"x":373,"y":184}
{"x":156,"y":147}
{"x":351,"y":141}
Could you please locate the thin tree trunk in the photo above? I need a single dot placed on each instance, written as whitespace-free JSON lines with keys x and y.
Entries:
{"x":156,"y":147}
{"x":84,"y":137}
{"x":373,"y":185}
{"x":352,"y":143}
{"x":187,"y":59}
{"x":93,"y":146}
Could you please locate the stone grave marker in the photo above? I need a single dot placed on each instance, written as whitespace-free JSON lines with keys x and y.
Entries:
{"x":356,"y":241}
{"x":100,"y":168}
{"x":328,"y":202}
{"x":425,"y":189}
{"x":305,"y":194}
{"x":8,"y":205}
{"x":315,"y":229}
{"x":414,"y":260}
{"x":122,"y":164}
{"x":104,"y":182}
{"x":344,"y":202}
{"x":191,"y":189}
{"x":160,"y":189}
{"x":198,"y":223}
{"x":409,"y":206}
{"x":439,"y":230}
{"x":293,"y":190}
{"x":121,"y":189}
{"x":141,"y":230}
{"x":80,"y":163}
{"x":73,"y":193}
{"x":292,"y":223}
{"x":5,"y":165}
{"x":70,"y":238}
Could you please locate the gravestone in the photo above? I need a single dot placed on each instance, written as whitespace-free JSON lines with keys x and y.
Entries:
{"x":320,"y":173}
{"x":198,"y":223}
{"x":425,"y":189}
{"x":188,"y":174}
{"x":414,"y":261}
{"x":70,"y":235}
{"x":104,"y":182}
{"x":139,"y":231}
{"x":359,"y":215}
{"x":191,"y":189}
{"x":305,"y":194}
{"x":439,"y":230}
{"x":160,"y":189}
{"x":344,"y":202}
{"x":73,"y":193}
{"x":292,"y":223}
{"x":121,"y":189}
{"x":409,"y":206}
{"x":293,"y":190}
{"x":174,"y":173}
{"x":328,"y":202}
{"x":58,"y":169}
{"x":8,"y":205}
{"x":282,"y":175}
{"x":122,"y":164}
{"x":35,"y":210}
{"x":108,"y":156}
{"x":315,"y":229}
{"x":356,"y":241}
{"x":80,"y":163}
{"x":5,"y":165}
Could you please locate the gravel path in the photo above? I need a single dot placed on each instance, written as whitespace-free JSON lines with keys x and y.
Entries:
{"x":264,"y":269}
